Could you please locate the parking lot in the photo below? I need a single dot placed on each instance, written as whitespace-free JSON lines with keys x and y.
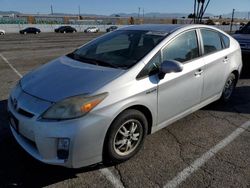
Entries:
{"x":209,"y":148}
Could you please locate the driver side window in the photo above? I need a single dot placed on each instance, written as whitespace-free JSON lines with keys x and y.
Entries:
{"x":183,"y":48}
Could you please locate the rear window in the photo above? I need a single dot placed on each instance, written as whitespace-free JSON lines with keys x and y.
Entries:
{"x":211,"y":41}
{"x":226,"y":41}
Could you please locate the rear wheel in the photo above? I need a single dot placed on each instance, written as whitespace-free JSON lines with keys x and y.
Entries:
{"x":228,"y":88}
{"x":125,"y":136}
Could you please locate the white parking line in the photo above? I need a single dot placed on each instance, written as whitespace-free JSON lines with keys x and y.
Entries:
{"x":109,"y":175}
{"x":105,"y":171}
{"x":182,"y":176}
{"x":13,"y":68}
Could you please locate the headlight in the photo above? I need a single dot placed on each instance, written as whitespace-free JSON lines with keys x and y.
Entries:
{"x":73,"y":107}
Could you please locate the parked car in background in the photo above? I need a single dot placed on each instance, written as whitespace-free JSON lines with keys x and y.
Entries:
{"x":65,"y":29}
{"x":92,"y":30}
{"x":111,"y":28}
{"x":29,"y":30}
{"x":243,"y":37}
{"x":100,"y":102}
{"x":2,"y":32}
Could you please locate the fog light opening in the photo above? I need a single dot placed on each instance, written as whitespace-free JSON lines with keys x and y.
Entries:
{"x":63,"y":148}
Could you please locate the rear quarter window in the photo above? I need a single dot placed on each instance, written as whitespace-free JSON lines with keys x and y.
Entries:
{"x":226,"y":41}
{"x":211,"y":41}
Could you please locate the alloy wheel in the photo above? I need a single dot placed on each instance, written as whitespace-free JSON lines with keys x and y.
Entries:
{"x":128,"y":137}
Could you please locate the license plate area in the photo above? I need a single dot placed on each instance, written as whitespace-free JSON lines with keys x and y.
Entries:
{"x":14,"y":122}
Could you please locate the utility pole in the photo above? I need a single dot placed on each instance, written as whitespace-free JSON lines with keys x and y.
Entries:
{"x":194,"y":11}
{"x":232,"y":20}
{"x":143,"y":15}
{"x":139,"y":11}
{"x":51,"y":9}
{"x":204,"y":10}
{"x":200,"y":7}
{"x":79,"y":10}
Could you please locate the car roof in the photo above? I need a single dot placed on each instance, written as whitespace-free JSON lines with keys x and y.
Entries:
{"x":166,"y":28}
{"x":154,"y":27}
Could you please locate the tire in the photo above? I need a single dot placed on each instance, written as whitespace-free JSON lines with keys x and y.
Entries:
{"x":228,"y":88}
{"x":125,"y":136}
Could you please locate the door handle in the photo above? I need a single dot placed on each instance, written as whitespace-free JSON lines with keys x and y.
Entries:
{"x":199,"y":72}
{"x":225,"y":60}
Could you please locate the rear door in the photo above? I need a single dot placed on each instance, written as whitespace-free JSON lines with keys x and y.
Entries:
{"x":216,"y":59}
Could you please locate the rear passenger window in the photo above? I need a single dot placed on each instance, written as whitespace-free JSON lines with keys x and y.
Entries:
{"x":226,"y":41}
{"x":211,"y":41}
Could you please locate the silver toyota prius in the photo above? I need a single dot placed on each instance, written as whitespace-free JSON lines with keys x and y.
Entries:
{"x":99,"y":102}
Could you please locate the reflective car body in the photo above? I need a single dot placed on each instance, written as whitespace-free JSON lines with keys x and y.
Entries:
{"x":30,"y":30}
{"x":208,"y":56}
{"x":65,"y":29}
{"x":111,"y":28}
{"x":2,"y":32}
{"x":243,"y":37}
{"x":91,"y":30}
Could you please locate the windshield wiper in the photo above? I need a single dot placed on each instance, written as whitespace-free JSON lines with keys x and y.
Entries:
{"x":90,"y":60}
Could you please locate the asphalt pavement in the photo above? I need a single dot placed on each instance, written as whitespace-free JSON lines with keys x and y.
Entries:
{"x":179,"y":149}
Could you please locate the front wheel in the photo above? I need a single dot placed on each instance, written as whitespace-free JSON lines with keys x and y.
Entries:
{"x":125,"y":136}
{"x":228,"y":88}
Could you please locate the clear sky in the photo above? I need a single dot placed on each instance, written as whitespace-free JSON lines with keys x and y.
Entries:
{"x":107,"y":7}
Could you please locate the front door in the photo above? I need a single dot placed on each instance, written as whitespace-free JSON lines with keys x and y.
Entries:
{"x":178,"y":92}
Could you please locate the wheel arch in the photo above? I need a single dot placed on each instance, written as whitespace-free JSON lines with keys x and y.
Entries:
{"x":237,"y":75}
{"x":141,"y":108}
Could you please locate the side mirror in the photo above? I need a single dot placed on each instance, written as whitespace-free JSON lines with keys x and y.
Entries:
{"x":168,"y":67}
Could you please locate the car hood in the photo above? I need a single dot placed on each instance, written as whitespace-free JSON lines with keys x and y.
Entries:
{"x":65,"y":77}
{"x":242,"y":36}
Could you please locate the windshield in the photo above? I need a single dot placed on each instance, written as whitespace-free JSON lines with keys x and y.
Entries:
{"x":119,"y":49}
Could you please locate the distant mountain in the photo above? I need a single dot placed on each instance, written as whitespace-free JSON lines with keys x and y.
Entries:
{"x":90,"y":15}
{"x":237,"y":14}
{"x":146,"y":15}
{"x":9,"y":12}
{"x":152,"y":15}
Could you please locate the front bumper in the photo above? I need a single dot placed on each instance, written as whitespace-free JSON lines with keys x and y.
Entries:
{"x":40,"y":138}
